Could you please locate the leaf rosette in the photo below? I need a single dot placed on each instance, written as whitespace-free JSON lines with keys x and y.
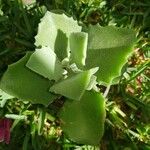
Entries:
{"x":41,"y":76}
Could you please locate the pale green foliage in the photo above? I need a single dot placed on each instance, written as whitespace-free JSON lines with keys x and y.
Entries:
{"x":16,"y":117}
{"x":73,"y":87}
{"x":54,"y":31}
{"x":24,"y":84}
{"x":83,"y":120}
{"x":45,"y":62}
{"x":4,"y":97}
{"x":98,"y":56}
{"x":108,"y":48}
{"x":78,"y":47}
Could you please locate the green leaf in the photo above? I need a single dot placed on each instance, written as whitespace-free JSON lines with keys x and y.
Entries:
{"x":108,"y":49}
{"x":24,"y":84}
{"x":92,"y":83}
{"x":83,"y":121}
{"x":78,"y":46}
{"x":74,"y":87}
{"x":16,"y":117}
{"x":44,"y":62}
{"x":26,"y":141}
{"x":54,"y":30}
{"x":41,"y":120}
{"x":4,"y":97}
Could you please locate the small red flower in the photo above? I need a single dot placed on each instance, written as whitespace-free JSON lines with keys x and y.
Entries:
{"x":5,"y":125}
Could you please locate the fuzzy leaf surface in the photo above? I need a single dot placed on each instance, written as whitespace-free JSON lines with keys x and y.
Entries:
{"x":54,"y":30}
{"x":108,"y":49}
{"x":74,"y":87}
{"x":44,"y":62}
{"x":83,"y":121}
{"x":24,"y":84}
{"x":78,"y":46}
{"x":4,"y":97}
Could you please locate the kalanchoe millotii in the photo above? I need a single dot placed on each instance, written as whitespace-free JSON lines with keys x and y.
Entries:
{"x":99,"y":53}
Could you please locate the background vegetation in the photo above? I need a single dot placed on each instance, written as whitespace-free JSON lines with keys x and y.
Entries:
{"x":127,"y":124}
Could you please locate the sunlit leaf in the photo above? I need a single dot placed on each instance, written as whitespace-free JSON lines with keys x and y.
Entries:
{"x":83,"y":121}
{"x":16,"y":117}
{"x":44,"y":62}
{"x":4,"y":97}
{"x":74,"y":87}
{"x":108,"y":48}
{"x":54,"y":30}
{"x":24,"y":84}
{"x":78,"y":46}
{"x":92,"y":83}
{"x":41,"y":120}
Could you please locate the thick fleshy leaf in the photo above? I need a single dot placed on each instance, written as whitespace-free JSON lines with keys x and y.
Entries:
{"x":22,"y":83}
{"x":54,"y":30}
{"x":4,"y":97}
{"x":92,"y":83}
{"x":44,"y":62}
{"x":83,"y":121}
{"x":74,"y":87}
{"x":78,"y":46}
{"x":108,"y":49}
